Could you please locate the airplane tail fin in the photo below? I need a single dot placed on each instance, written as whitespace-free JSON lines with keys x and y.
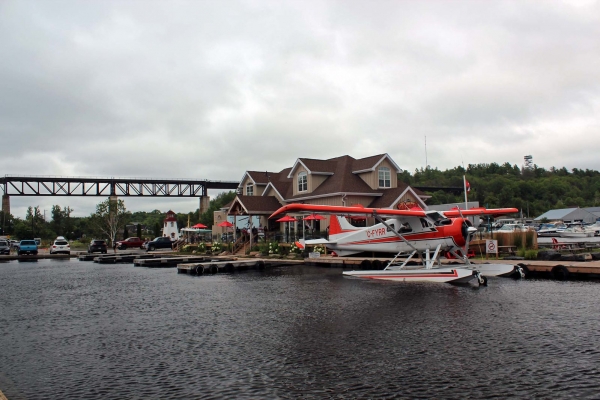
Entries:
{"x":338,"y":224}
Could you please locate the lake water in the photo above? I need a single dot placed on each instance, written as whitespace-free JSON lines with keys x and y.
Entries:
{"x":77,"y":330}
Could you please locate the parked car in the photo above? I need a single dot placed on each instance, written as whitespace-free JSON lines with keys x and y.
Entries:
{"x":97,"y":246}
{"x":14,"y":244}
{"x":60,"y":245}
{"x":132,"y":242}
{"x":38,"y":241}
{"x":4,"y":247}
{"x":28,"y":247}
{"x":161,"y":242}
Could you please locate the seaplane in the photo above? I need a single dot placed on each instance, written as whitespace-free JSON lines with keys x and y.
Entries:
{"x":411,"y":232}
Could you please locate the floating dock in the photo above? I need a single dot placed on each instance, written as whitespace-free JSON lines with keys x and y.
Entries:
{"x":233,"y":265}
{"x":166,"y":262}
{"x":576,"y":270}
{"x":121,"y":258}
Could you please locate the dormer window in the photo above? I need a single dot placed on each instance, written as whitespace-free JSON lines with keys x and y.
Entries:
{"x":385,"y":177}
{"x":249,"y":190}
{"x":302,"y":182}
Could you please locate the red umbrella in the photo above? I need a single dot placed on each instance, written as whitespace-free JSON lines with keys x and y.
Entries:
{"x":225,"y":224}
{"x":199,"y":226}
{"x":312,"y":217}
{"x":287,"y":218}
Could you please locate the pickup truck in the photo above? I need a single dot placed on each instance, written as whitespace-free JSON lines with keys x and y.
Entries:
{"x":132,"y":242}
{"x":162,"y":242}
{"x":28,"y":247}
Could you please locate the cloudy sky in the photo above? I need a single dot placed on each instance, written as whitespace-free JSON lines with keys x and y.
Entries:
{"x":210,"y":89}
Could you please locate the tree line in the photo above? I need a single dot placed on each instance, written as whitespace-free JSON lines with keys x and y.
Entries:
{"x":532,"y":190}
{"x":110,"y":220}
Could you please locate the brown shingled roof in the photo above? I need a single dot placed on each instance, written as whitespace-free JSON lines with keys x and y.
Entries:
{"x":318,"y":165}
{"x":391,"y":194}
{"x":261,"y":177}
{"x":342,"y":180}
{"x":259,"y":204}
{"x":366,"y":163}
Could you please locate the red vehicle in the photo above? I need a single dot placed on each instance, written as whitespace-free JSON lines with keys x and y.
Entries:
{"x":132,"y":242}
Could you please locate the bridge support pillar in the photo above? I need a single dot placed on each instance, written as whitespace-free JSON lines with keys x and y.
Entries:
{"x":204,"y":203}
{"x":6,"y":204}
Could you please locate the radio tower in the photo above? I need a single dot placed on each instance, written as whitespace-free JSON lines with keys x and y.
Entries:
{"x":528,"y":162}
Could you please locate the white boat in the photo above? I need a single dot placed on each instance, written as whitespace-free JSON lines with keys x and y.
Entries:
{"x":547,"y":230}
{"x":576,"y":231}
{"x":594,"y":227}
{"x":510,"y":228}
{"x":441,"y":275}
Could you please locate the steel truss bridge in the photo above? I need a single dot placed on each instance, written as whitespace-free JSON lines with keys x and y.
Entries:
{"x":15,"y":185}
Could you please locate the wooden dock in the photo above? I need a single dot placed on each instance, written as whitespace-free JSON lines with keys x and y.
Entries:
{"x":121,"y":258}
{"x":167,"y":262}
{"x":233,"y":265}
{"x":94,"y":256}
{"x":559,"y":270}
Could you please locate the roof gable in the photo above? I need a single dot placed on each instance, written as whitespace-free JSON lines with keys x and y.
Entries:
{"x":314,"y":167}
{"x":371,"y":163}
{"x":256,"y":204}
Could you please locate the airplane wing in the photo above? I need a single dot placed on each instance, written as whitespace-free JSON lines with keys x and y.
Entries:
{"x":454,"y":213}
{"x":314,"y":208}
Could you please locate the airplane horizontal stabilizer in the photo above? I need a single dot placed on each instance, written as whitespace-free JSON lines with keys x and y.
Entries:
{"x":318,"y":241}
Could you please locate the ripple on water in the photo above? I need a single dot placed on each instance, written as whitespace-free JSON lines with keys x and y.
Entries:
{"x":84,"y":331}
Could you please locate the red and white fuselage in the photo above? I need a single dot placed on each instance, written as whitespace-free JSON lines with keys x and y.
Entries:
{"x":417,"y":233}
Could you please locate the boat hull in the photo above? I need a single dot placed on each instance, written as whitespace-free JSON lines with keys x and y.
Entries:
{"x":576,"y":234}
{"x":439,"y":275}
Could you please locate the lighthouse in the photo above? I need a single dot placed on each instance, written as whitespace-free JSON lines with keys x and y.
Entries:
{"x":170,"y":227}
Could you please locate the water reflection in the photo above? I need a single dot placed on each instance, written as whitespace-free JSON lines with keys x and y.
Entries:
{"x":83,"y":330}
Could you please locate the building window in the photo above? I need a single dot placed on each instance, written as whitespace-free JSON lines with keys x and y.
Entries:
{"x":385,"y":177}
{"x":249,"y":190}
{"x":302,"y":182}
{"x":171,"y":224}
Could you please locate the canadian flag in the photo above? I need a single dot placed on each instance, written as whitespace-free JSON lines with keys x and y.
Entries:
{"x":467,"y":185}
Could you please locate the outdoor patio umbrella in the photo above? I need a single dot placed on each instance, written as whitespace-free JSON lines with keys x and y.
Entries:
{"x":199,"y":226}
{"x":225,"y":224}
{"x":312,"y":217}
{"x":287,"y":219}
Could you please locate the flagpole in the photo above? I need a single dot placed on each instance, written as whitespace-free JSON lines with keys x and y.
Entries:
{"x":465,"y":187}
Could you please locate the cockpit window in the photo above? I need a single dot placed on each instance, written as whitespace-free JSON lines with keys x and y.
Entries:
{"x":425,"y":223}
{"x":405,"y":228}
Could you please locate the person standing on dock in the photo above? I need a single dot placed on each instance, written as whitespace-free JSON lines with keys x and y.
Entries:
{"x":115,"y":246}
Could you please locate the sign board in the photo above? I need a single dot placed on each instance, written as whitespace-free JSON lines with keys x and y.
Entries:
{"x":314,"y":254}
{"x":491,"y":246}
